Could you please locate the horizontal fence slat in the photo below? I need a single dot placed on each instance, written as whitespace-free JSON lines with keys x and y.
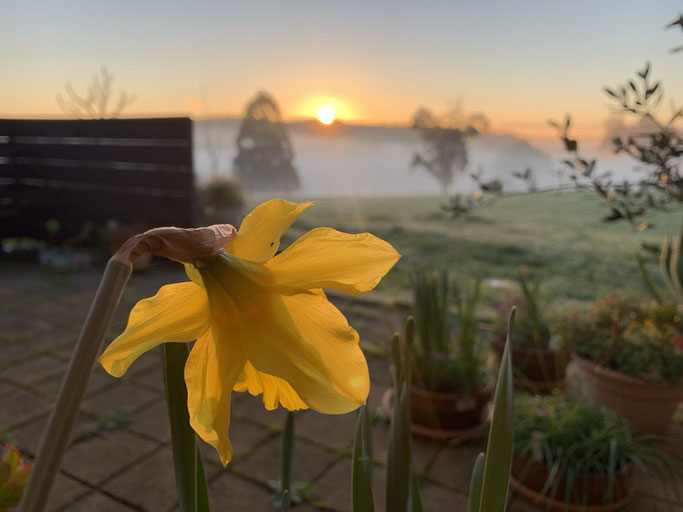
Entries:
{"x":133,"y":154}
{"x":95,"y":141}
{"x":163,"y":128}
{"x":115,"y":178}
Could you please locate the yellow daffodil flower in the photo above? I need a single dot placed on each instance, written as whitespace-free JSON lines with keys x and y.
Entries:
{"x":262,"y":322}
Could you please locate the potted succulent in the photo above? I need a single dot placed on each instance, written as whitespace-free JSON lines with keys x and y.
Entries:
{"x":629,"y":355}
{"x":450,"y":387}
{"x":570,"y":457}
{"x":538,"y":362}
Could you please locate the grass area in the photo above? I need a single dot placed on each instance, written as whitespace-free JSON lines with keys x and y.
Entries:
{"x":558,"y":235}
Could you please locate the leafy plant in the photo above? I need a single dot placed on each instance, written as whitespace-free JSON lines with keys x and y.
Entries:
{"x":218,"y":195}
{"x":671,"y":271}
{"x":441,"y":362}
{"x":571,"y":440}
{"x":531,"y":329}
{"x":628,"y":335}
{"x":13,"y":476}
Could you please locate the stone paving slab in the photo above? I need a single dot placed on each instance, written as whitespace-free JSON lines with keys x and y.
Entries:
{"x":97,"y":502}
{"x":122,"y":397}
{"x":95,"y":460}
{"x":445,"y":468}
{"x":244,"y":437}
{"x":440,"y":498}
{"x":152,"y":421}
{"x":64,"y":491}
{"x":230,"y":492}
{"x":251,"y":409}
{"x":35,"y":370}
{"x":18,"y":406}
{"x":333,"y":489}
{"x":151,"y":375}
{"x":150,"y":484}
{"x":27,"y":437}
{"x":332,"y":430}
{"x":265,"y":462}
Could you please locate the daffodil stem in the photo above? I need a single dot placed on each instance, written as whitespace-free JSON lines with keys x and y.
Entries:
{"x":56,"y":435}
{"x":287,"y":455}
{"x":189,"y":468}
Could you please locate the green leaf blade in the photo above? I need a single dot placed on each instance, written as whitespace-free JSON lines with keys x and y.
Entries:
{"x":498,"y":460}
{"x":474,"y":499}
{"x":361,"y":465}
{"x":398,"y":455}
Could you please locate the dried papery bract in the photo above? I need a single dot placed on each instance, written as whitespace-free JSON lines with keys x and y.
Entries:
{"x":178,"y":244}
{"x":183,"y":245}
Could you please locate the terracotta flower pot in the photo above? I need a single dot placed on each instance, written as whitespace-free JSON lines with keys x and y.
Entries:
{"x":587,"y":492}
{"x":448,"y":411}
{"x":443,"y":416}
{"x":536,"y":370}
{"x":647,"y":406}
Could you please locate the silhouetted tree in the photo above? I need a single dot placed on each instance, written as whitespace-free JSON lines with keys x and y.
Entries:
{"x":264,"y":152}
{"x":95,"y":103}
{"x":443,"y":143}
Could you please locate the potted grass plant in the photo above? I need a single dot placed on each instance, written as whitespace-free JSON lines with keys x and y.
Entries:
{"x":538,"y":362}
{"x":571,"y":457}
{"x":629,"y":355}
{"x":450,"y":387}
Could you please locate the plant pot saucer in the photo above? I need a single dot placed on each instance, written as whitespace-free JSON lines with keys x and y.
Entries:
{"x":437,"y":434}
{"x":551,"y":505}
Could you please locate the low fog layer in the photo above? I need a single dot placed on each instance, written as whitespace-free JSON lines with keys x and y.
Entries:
{"x":375,"y":160}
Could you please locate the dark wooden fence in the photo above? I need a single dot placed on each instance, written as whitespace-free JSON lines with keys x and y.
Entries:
{"x":135,"y":171}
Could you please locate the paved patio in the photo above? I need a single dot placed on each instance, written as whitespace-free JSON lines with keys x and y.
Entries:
{"x":119,"y":458}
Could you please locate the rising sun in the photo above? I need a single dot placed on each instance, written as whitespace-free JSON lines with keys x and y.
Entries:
{"x":326,"y":115}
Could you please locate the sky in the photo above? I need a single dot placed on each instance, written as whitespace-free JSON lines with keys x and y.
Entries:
{"x":376,"y":62}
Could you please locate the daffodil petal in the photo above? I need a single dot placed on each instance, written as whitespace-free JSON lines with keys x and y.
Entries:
{"x":177,"y":313}
{"x":306,"y":341}
{"x":275,"y":390}
{"x":258,"y":238}
{"x":327,"y":258}
{"x":211,"y":371}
